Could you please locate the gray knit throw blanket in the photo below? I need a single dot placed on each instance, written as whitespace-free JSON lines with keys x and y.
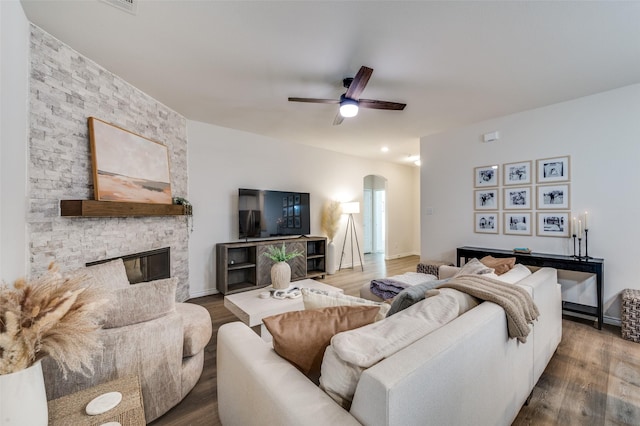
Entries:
{"x":516,"y":302}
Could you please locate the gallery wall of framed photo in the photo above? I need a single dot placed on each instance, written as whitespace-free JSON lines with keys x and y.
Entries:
{"x":522,"y":200}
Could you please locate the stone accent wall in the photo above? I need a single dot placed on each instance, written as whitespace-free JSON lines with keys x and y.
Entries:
{"x":65,"y":89}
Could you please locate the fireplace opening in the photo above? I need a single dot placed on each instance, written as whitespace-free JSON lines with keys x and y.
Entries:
{"x":145,"y":266}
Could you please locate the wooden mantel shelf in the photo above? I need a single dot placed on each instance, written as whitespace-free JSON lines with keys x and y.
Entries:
{"x":94,"y":208}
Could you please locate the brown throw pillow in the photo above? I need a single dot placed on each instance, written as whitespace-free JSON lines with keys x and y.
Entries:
{"x":301,"y":337}
{"x":501,"y":265}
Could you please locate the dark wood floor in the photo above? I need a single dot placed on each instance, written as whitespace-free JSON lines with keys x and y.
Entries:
{"x":593,"y":379}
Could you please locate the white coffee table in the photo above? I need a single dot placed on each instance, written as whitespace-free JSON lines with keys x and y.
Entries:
{"x":250,"y":308}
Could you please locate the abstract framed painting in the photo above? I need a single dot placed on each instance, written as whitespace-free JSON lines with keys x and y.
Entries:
{"x":128,"y":167}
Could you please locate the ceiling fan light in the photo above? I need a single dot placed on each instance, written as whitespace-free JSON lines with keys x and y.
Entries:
{"x":348,"y":108}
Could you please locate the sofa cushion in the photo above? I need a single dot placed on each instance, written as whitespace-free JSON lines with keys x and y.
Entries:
{"x":301,"y":337}
{"x":140,"y":302}
{"x":500,"y":265}
{"x":315,"y":299}
{"x":196,"y":323}
{"x":353,"y":351}
{"x":109,"y":275}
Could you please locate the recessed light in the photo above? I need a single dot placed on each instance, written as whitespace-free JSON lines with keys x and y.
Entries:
{"x":384,"y":149}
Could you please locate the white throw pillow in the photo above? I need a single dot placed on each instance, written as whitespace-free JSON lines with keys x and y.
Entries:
{"x":517,"y":273}
{"x":474,"y":267}
{"x":316,"y":299}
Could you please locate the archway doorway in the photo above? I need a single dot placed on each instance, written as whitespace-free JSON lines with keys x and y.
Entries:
{"x":374,"y":214}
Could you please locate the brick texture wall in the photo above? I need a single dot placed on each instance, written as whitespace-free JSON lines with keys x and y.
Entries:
{"x":67,"y":88}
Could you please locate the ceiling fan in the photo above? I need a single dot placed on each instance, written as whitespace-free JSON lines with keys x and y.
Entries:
{"x":350,"y":101}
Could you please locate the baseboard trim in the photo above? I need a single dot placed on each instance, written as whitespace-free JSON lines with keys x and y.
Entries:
{"x":399,"y":255}
{"x":208,"y":292}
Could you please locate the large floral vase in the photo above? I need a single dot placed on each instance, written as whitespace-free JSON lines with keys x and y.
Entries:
{"x":23,"y":400}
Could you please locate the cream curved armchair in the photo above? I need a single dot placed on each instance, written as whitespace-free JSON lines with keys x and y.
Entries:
{"x":145,"y":333}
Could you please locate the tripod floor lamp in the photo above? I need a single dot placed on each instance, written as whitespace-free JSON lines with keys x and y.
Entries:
{"x":351,"y":209}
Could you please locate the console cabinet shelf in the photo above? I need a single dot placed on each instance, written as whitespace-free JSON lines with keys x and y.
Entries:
{"x":242,"y":266}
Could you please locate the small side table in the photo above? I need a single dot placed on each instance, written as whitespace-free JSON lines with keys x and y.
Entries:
{"x":70,"y":409}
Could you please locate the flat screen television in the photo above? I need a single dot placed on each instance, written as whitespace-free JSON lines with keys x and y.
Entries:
{"x":265,"y":213}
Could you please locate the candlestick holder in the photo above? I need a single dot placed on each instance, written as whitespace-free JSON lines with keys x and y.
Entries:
{"x":574,"y":246}
{"x":579,"y":248}
{"x":586,"y":245}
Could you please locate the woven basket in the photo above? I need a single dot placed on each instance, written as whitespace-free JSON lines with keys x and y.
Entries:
{"x":631,"y":315}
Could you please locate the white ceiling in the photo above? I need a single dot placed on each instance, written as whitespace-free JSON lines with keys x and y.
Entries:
{"x":235,"y":63}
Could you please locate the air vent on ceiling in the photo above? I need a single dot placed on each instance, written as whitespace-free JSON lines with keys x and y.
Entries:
{"x":130,"y":6}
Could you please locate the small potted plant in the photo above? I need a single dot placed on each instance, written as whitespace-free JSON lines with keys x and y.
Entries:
{"x":281,"y":271}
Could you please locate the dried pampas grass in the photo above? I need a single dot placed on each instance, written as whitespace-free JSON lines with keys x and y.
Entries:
{"x":330,"y":220}
{"x":51,"y":315}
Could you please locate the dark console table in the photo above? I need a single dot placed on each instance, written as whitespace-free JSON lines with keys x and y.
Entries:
{"x":557,"y":261}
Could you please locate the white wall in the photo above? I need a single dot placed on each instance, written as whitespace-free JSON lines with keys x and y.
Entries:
{"x":222,"y":160}
{"x":601,"y":133}
{"x":14,"y":94}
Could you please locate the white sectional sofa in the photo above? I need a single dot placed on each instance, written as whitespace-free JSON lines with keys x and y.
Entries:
{"x":466,"y":372}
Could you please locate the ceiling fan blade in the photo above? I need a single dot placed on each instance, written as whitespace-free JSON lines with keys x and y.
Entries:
{"x":338,"y":120}
{"x":315,"y":100}
{"x":375,"y":104}
{"x":359,"y":83}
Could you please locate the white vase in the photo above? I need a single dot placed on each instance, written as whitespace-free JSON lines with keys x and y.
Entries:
{"x":331,"y":258}
{"x":24,"y":400}
{"x":280,"y":275}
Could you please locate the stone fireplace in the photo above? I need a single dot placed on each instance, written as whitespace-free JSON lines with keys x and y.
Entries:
{"x":65,"y":89}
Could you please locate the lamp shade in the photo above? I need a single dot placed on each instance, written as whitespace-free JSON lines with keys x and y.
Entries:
{"x":351,"y":208}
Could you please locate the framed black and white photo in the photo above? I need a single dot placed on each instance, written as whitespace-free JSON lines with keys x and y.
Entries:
{"x":553,"y":224}
{"x":553,"y":169}
{"x":485,"y":176}
{"x":555,"y":197}
{"x":517,"y":173}
{"x":517,"y":198}
{"x":517,"y":223}
{"x":486,"y":223}
{"x":486,"y":199}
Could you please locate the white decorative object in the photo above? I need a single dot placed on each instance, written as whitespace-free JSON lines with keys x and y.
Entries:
{"x":265,"y":295}
{"x":103,"y":403}
{"x":23,"y":400}
{"x":331,"y":258}
{"x":280,"y":275}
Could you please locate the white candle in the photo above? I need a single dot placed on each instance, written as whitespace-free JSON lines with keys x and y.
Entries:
{"x":579,"y":228}
{"x":585,"y":220}
{"x":574,"y":228}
